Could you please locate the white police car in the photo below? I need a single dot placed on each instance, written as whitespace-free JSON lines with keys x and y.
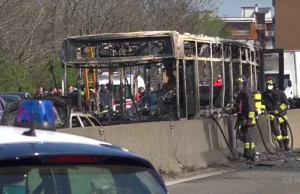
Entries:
{"x":44,"y":161}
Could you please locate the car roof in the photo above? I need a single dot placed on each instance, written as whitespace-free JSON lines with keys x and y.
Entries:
{"x":15,"y":93}
{"x":15,"y":136}
{"x":11,"y":138}
{"x":21,"y":94}
{"x":15,"y":147}
{"x":11,"y":95}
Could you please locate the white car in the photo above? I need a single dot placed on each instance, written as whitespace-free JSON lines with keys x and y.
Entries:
{"x":79,"y":119}
{"x":44,"y":161}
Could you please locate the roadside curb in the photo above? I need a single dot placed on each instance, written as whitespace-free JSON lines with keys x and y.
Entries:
{"x":204,"y":175}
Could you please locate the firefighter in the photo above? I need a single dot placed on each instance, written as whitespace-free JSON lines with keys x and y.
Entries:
{"x":275,"y":100}
{"x":244,"y":106}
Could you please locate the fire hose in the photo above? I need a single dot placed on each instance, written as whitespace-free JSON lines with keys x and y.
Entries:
{"x":213,"y":117}
{"x":262,"y":137}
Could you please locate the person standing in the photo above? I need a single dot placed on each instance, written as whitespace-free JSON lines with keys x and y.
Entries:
{"x":104,"y":97}
{"x":218,"y":82}
{"x":245,"y":108}
{"x":275,"y":100}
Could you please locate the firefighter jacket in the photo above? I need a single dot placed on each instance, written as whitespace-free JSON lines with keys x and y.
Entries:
{"x":245,"y":107}
{"x":275,"y":101}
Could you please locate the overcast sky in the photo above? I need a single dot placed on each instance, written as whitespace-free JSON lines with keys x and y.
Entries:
{"x":232,"y":8}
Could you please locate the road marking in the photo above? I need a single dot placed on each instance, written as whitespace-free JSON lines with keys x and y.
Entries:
{"x":174,"y":182}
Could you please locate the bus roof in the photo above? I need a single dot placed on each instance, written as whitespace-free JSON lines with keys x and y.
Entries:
{"x":141,"y":34}
{"x":122,"y":35}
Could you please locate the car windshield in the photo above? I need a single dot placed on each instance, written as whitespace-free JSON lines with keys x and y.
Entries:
{"x":79,"y":179}
{"x":9,"y":99}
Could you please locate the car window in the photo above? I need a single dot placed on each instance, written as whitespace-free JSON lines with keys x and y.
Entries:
{"x":2,"y":105}
{"x":85,"y":121}
{"x":95,"y":122}
{"x":79,"y":179}
{"x":9,"y":99}
{"x":75,"y":122}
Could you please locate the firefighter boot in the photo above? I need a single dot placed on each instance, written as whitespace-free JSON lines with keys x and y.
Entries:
{"x":247,"y":154}
{"x":286,"y":145}
{"x":281,"y":145}
{"x":253,"y":156}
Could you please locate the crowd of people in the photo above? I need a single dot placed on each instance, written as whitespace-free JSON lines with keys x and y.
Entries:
{"x":103,"y":95}
{"x":71,"y":91}
{"x":43,"y":91}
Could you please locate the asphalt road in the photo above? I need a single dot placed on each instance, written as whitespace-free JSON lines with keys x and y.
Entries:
{"x":243,"y":182}
{"x":282,"y":178}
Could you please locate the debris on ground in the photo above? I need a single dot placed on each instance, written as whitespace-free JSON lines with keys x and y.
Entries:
{"x":287,"y":161}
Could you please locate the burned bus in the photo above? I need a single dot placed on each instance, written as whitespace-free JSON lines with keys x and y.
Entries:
{"x":181,"y":68}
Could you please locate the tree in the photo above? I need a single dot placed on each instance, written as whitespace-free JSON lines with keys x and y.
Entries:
{"x":32,"y":31}
{"x":206,"y":24}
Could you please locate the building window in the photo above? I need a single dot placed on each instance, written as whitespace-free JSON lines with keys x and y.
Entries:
{"x":270,"y":27}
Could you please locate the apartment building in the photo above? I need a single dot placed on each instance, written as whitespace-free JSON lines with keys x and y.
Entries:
{"x":247,"y":25}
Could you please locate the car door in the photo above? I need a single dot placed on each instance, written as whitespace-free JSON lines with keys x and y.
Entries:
{"x":75,"y":122}
{"x":86,"y":122}
{"x":95,"y":121}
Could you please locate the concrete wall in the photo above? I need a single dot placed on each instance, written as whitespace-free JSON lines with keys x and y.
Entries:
{"x":176,"y":144}
{"x":293,"y":119}
{"x":168,"y":145}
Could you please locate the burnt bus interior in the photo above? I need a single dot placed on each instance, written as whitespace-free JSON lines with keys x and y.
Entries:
{"x":182,"y":79}
{"x":200,"y":66}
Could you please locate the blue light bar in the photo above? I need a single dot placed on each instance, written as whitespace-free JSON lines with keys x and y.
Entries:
{"x":37,"y":112}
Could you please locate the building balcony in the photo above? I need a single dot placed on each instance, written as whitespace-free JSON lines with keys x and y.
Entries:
{"x":270,"y":33}
{"x":241,"y":33}
{"x":270,"y":47}
{"x":260,"y":27}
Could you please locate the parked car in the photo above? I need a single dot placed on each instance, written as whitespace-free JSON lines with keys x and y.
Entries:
{"x":79,"y":119}
{"x":43,"y":161}
{"x":2,"y":106}
{"x":9,"y":98}
{"x":65,"y":118}
{"x":62,"y":109}
{"x":23,"y":95}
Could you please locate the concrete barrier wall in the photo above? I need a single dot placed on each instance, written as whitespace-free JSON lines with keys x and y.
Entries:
{"x":168,"y":145}
{"x":176,"y":144}
{"x":265,"y":135}
{"x":294,"y":121}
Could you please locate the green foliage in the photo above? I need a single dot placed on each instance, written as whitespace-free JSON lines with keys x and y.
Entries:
{"x":28,"y":78}
{"x":211,"y":26}
{"x":12,"y":77}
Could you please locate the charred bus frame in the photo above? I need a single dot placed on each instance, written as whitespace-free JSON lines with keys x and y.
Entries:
{"x":176,"y":51}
